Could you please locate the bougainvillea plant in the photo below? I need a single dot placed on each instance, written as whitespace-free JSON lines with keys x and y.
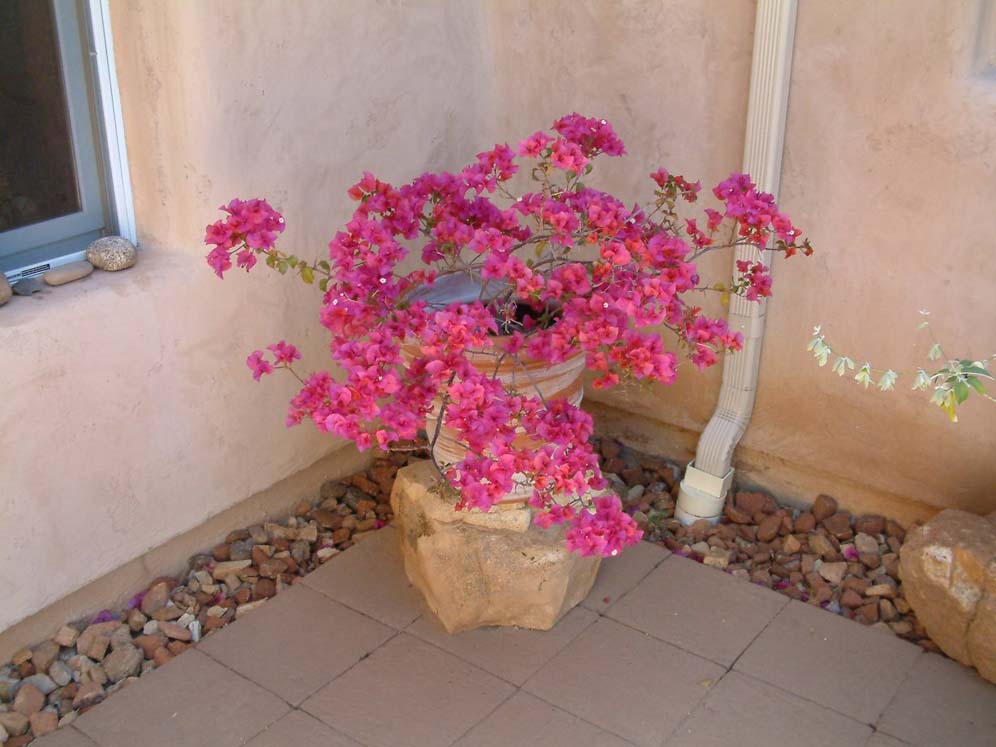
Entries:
{"x":563,"y":268}
{"x":951,"y":382}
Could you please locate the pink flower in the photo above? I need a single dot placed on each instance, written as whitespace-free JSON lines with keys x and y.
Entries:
{"x":284,"y":352}
{"x":533,"y":145}
{"x":564,"y":270}
{"x":568,"y":156}
{"x":258,"y":365}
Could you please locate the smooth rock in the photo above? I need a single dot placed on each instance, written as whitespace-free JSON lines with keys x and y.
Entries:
{"x":112,"y":253}
{"x":44,"y":654}
{"x":6,"y":292}
{"x":473,"y":575}
{"x":820,"y":545}
{"x":948,"y":569}
{"x":768,"y":529}
{"x":870,"y":524}
{"x":805,"y":523}
{"x":839,"y":525}
{"x":125,"y":661}
{"x":155,"y":598}
{"x":29,"y":699}
{"x":823,"y":507}
{"x":60,"y":673}
{"x":67,"y":273}
{"x":833,"y":572}
{"x":791,"y":545}
{"x":15,"y":723}
{"x":44,"y":722}
{"x":865,"y":543}
{"x":42,"y":681}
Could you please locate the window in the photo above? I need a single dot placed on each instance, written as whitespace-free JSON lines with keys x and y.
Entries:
{"x":61,"y":154}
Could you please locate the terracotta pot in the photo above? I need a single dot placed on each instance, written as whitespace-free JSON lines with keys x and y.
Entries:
{"x":526,"y":375}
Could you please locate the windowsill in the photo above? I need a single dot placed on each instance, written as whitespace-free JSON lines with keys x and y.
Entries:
{"x":109,"y":291}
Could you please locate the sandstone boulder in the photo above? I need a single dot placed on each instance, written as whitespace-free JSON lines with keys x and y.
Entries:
{"x":948,"y":569}
{"x":478,"y":569}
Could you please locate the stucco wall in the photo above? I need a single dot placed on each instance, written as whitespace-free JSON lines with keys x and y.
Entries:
{"x":889,"y":155}
{"x":128,"y":414}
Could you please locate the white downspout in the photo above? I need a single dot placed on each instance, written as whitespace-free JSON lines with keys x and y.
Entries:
{"x":708,"y":478}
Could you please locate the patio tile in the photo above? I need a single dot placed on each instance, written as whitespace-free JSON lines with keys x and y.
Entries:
{"x":296,"y":642}
{"x":744,"y":711}
{"x":65,"y":737}
{"x":699,"y":609}
{"x":297,"y":727}
{"x":625,"y":682}
{"x":830,"y":660}
{"x":513,"y":654}
{"x":880,"y":739}
{"x":942,"y":702}
{"x":408,"y":692}
{"x":370,"y":578}
{"x":527,"y":721}
{"x":620,"y":574}
{"x":193,"y":700}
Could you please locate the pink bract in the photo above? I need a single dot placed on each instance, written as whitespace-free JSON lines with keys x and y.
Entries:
{"x":561,"y":269}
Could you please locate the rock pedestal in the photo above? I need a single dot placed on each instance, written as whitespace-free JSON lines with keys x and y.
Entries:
{"x":476,"y":569}
{"x":948,"y":568}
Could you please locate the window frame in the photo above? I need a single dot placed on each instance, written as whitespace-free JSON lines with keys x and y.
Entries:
{"x":99,"y":148}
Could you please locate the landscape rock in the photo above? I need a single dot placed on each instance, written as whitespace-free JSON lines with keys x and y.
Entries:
{"x":42,"y":681}
{"x":6,"y":292}
{"x":67,"y":273}
{"x":89,"y":694}
{"x":43,"y":723}
{"x":870,"y":524}
{"x":29,"y":699}
{"x":823,"y":507}
{"x":44,"y":654}
{"x":864,"y":543}
{"x":14,"y":723}
{"x":948,"y":569}
{"x":125,"y":661}
{"x":833,"y":573}
{"x":472,"y":576}
{"x":66,"y":636}
{"x":60,"y":673}
{"x":111,"y":253}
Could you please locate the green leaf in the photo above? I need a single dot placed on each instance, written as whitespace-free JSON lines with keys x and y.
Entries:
{"x":282,"y":266}
{"x":307,"y":274}
{"x":323,"y":284}
{"x":935,"y":352}
{"x":863,"y":376}
{"x":823,"y":353}
{"x":887,"y":381}
{"x":961,"y":391}
{"x":975,"y":384}
{"x":922,"y":380}
{"x":324,"y":265}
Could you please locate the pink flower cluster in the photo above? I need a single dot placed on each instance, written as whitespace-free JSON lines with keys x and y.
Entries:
{"x":563,"y":269}
{"x":251,"y":228}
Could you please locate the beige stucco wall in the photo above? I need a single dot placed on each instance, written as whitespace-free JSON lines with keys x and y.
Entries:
{"x":128,"y":415}
{"x":888,"y":165}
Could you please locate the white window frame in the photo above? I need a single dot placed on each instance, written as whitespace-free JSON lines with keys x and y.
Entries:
{"x":97,"y":41}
